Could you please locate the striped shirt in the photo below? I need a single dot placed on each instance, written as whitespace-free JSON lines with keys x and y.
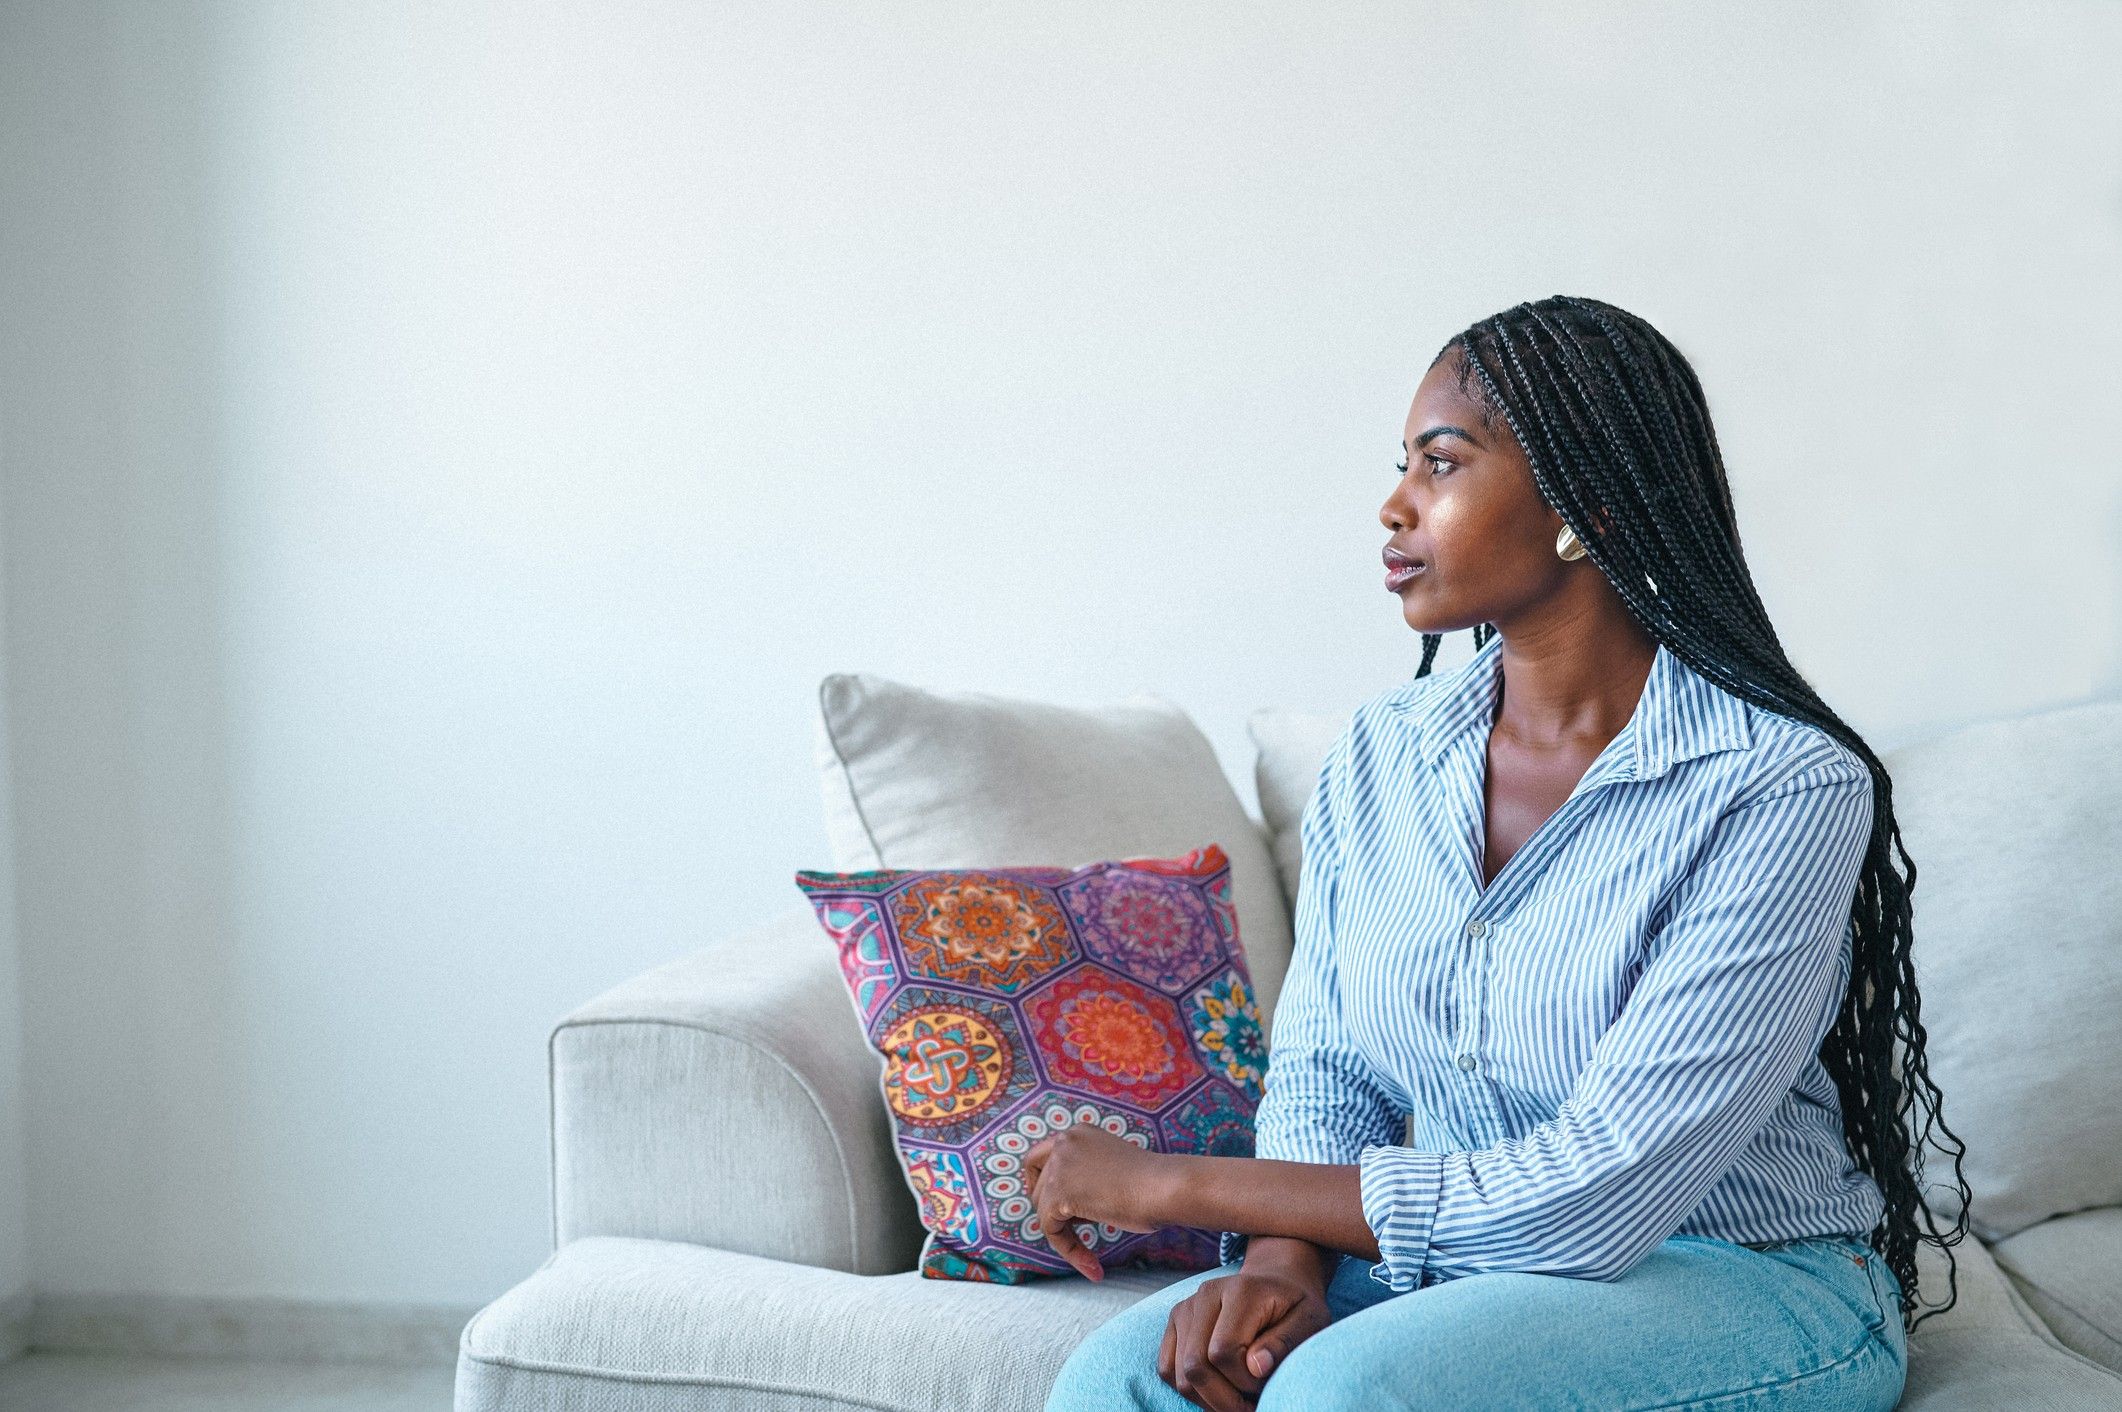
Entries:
{"x":1613,"y":1042}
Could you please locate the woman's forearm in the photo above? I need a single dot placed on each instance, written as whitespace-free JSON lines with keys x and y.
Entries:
{"x":1318,"y":1202}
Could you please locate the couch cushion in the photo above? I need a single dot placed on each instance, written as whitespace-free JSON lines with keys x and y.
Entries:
{"x":1990,"y":1351}
{"x":1011,"y":1003}
{"x":2015,"y":828}
{"x":928,"y":779}
{"x":2070,"y":1270}
{"x":609,"y":1324}
{"x":622,"y":1325}
{"x":1289,"y":748}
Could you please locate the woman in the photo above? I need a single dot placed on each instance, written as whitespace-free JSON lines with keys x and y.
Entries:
{"x":1612,"y":911}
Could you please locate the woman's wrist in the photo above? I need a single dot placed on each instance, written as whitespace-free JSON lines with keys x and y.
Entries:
{"x":1291,"y":1256}
{"x":1173,"y":1195}
{"x":1180,"y":1201}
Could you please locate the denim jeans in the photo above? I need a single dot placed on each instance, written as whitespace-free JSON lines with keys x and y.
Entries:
{"x":1699,"y":1322}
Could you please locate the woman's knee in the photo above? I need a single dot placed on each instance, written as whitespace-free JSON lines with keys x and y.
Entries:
{"x":1115,"y":1366}
{"x":1320,"y":1377}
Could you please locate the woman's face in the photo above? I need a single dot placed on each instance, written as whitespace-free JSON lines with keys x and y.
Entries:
{"x":1467,"y":510}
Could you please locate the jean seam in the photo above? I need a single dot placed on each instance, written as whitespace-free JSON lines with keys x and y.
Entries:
{"x":1711,"y":1399}
{"x":1887,"y":1309}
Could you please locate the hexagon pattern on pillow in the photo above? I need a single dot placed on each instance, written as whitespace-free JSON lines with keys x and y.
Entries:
{"x":1010,"y":1002}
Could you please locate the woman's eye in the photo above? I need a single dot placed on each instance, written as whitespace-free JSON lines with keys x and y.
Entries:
{"x":1437,"y":464}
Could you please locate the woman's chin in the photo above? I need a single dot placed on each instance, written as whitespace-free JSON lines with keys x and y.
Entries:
{"x":1418,"y":617}
{"x":1423,"y":617}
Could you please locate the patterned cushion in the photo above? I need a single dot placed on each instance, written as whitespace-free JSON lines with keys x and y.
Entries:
{"x":1011,"y":1002}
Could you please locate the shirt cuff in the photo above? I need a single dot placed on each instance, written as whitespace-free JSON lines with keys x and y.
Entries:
{"x":1399,"y":1188}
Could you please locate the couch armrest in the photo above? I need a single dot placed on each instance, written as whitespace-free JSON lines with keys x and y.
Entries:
{"x":728,"y":1098}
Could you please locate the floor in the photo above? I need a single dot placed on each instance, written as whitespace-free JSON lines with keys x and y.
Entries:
{"x":78,"y":1382}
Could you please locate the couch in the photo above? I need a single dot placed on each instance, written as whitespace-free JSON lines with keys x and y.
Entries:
{"x":731,"y":1226}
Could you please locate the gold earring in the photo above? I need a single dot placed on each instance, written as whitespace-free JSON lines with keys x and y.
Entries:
{"x":1568,"y":546}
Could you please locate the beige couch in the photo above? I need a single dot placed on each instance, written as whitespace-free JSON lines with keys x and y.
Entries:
{"x":732,"y":1229}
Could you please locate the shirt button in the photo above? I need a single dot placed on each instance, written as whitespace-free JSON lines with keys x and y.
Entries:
{"x":1476,"y":927}
{"x":1466,"y":1061}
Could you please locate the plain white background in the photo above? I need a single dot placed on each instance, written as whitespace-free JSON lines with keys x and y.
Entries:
{"x":444,"y":445}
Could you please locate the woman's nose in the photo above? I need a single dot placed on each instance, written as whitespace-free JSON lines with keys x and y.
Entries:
{"x":1396,"y":514}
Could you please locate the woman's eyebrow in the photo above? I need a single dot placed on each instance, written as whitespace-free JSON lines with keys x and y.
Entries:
{"x":1434,"y":432}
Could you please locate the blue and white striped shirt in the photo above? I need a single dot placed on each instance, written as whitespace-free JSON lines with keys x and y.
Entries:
{"x":1613,"y":1042}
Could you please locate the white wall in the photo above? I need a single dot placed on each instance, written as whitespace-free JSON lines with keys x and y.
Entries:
{"x":15,"y":1287}
{"x":450,"y":442}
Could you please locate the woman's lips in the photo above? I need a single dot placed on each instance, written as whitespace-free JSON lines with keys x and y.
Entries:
{"x":1396,"y":579}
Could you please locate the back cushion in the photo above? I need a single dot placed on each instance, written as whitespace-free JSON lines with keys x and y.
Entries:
{"x":2015,"y":829}
{"x":915,"y":778}
{"x":1290,"y":746}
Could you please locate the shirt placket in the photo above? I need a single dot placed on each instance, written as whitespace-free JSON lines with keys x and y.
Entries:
{"x":1470,"y":978}
{"x":1473,"y":966}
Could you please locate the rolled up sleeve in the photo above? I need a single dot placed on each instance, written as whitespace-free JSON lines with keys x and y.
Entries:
{"x":1741,"y":982}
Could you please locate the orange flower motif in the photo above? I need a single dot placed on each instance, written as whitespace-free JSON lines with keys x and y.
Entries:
{"x":981,"y":929}
{"x":1116,"y":1036}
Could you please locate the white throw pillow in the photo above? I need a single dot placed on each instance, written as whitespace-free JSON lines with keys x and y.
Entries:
{"x":2015,"y":828}
{"x":929,"y":779}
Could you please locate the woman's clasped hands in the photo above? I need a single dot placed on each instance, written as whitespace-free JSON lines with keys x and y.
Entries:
{"x":1223,"y":1341}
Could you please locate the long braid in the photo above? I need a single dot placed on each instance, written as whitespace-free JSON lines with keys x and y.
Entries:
{"x":1614,"y":424}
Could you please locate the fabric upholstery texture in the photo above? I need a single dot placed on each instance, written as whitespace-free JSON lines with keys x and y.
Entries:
{"x":913,"y":778}
{"x":1990,"y":1350}
{"x":728,"y":1098}
{"x":1009,"y":1004}
{"x":2070,"y":1270}
{"x":2016,"y":832}
{"x":616,"y":1325}
{"x":1289,"y":749}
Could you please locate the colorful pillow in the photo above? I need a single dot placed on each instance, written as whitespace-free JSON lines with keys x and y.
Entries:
{"x":1010,"y":1002}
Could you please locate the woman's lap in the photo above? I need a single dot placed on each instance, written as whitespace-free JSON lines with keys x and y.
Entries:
{"x":1696,"y":1323}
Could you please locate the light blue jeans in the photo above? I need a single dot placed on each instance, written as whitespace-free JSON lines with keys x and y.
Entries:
{"x":1699,"y":1322}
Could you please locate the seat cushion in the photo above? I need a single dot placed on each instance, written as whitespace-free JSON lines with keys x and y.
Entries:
{"x":1990,"y":1351}
{"x":2070,"y":1270}
{"x":915,"y":778}
{"x":610,"y":1324}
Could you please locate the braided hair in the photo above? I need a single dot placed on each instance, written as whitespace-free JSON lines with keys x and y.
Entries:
{"x":1614,"y":425}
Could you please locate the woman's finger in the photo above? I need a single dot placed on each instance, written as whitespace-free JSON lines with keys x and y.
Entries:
{"x":1060,"y":1233}
{"x":1230,"y":1339}
{"x":1194,"y":1376}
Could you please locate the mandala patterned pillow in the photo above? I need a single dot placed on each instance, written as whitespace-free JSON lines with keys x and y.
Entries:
{"x":1009,"y":1002}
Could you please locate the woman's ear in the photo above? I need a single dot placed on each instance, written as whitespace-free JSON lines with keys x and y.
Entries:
{"x":1601,"y":521}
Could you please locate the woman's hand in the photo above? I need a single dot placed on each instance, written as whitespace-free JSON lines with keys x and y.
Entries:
{"x":1084,"y":1173}
{"x":1224,"y":1340}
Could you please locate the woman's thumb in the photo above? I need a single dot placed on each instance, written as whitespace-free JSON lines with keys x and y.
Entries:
{"x":1261,"y":1359}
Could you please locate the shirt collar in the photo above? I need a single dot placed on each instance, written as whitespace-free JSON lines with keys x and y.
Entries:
{"x":1679,"y":716}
